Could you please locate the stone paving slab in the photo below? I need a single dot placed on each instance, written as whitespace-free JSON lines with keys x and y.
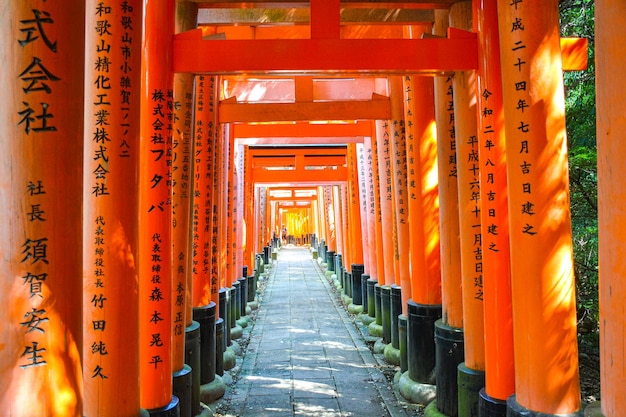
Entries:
{"x":305,"y":356}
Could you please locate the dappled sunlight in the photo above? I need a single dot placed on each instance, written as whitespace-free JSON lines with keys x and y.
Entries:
{"x":314,"y":387}
{"x":315,"y":410}
{"x":47,"y":359}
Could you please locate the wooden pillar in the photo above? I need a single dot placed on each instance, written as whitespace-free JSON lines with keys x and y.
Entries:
{"x":378,"y":218}
{"x":610,"y":60}
{"x":329,"y":214}
{"x":471,"y":372}
{"x":41,"y":218}
{"x":452,"y":304}
{"x":369,"y":166}
{"x":249,"y":204}
{"x":499,"y":361}
{"x":386,"y":201}
{"x":401,"y":199}
{"x":542,"y":278}
{"x":362,"y":186}
{"x":203,"y":172}
{"x":155,"y":322}
{"x":422,"y":187}
{"x":424,"y":304}
{"x":448,"y":330}
{"x":111,"y":156}
{"x":355,"y":243}
{"x":182,"y":279}
{"x":239,"y":210}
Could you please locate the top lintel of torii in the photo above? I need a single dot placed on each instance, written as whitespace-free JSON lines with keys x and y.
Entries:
{"x":326,"y":45}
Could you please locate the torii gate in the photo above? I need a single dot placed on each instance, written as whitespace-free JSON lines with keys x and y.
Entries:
{"x":324,"y":52}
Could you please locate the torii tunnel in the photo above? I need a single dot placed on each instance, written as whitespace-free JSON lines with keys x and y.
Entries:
{"x":153,"y":151}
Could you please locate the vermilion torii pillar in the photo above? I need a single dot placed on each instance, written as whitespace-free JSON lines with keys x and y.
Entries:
{"x":155,"y":281}
{"x":182,"y":195}
{"x":424,"y":305}
{"x":542,"y":278}
{"x":41,"y":208}
{"x":499,"y":362}
{"x":610,"y":62}
{"x":110,"y":204}
{"x":448,"y":330}
{"x":471,"y":372}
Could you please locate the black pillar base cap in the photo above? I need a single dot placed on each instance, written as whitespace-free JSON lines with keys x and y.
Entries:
{"x":514,"y":409}
{"x":490,"y":406}
{"x":170,"y":410}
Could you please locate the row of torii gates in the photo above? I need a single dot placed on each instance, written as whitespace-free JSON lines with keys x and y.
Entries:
{"x":145,"y":162}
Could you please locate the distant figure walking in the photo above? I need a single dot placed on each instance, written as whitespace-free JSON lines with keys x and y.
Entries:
{"x":283,"y":232}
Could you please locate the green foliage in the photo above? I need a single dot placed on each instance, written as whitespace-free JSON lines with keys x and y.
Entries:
{"x":577,"y":19}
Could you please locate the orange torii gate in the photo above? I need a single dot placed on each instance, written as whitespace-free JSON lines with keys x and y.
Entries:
{"x":323,"y":53}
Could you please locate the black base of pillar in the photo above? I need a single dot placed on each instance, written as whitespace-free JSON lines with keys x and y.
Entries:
{"x":514,"y":409}
{"x":395,"y":306}
{"x":192,"y":358}
{"x":206,"y":317}
{"x":251,"y":285}
{"x":470,"y":382}
{"x":371,"y":297}
{"x":421,"y":320}
{"x":223,"y":312}
{"x":235,"y":303}
{"x":402,"y":324}
{"x":356,"y":282}
{"x":220,"y":347}
{"x":364,"y":295}
{"x":182,"y":384}
{"x":449,"y":354}
{"x":170,"y":410}
{"x":330,"y":260}
{"x":385,"y":304}
{"x":378,"y":304}
{"x":489,"y":406}
{"x":243,"y":295}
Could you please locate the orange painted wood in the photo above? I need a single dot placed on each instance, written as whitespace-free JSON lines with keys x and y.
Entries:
{"x":376,"y":108}
{"x":303,"y":130}
{"x":110,"y":205}
{"x":371,"y":167}
{"x":422,"y":189}
{"x":383,"y":139}
{"x":542,"y":276}
{"x":399,"y":166}
{"x":155,"y":281}
{"x":380,"y":259}
{"x":574,"y":53}
{"x":468,"y":184}
{"x":362,"y":189}
{"x":203,"y":173}
{"x":264,"y":56}
{"x":182,"y":196}
{"x":325,"y":18}
{"x":355,"y":244}
{"x":41,"y":326}
{"x":499,"y":360}
{"x":452,"y":302}
{"x":610,"y":58}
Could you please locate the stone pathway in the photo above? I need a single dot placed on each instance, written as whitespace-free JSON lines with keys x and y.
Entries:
{"x":305,"y":357}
